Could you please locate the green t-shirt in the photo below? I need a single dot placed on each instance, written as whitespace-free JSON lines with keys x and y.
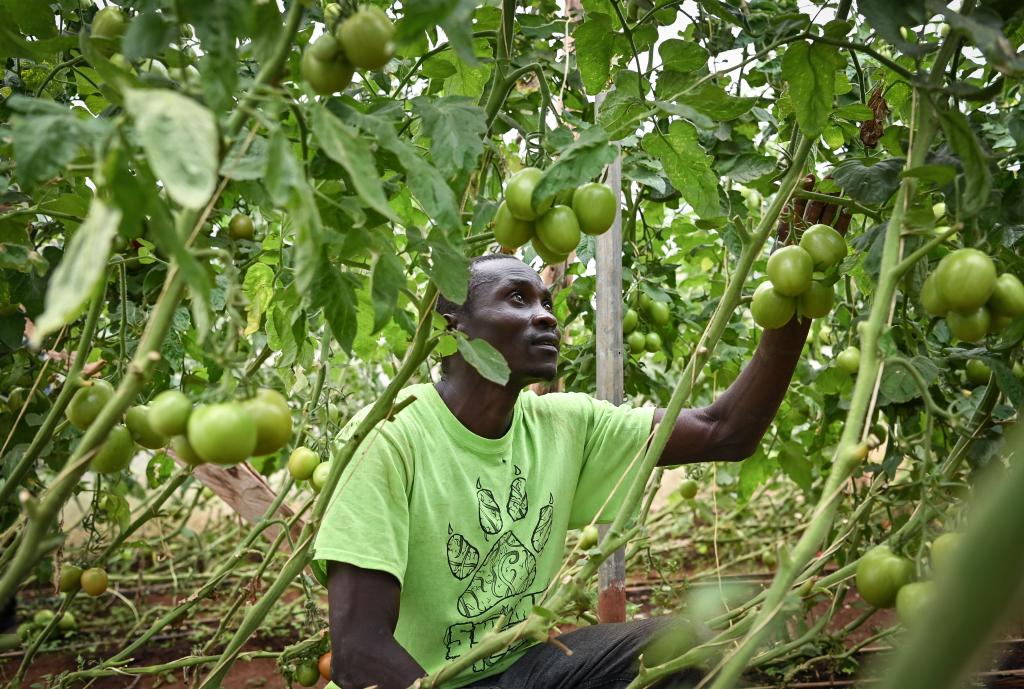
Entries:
{"x":473,"y":527}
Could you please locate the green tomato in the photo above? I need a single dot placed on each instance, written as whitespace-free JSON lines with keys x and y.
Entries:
{"x":969,"y":327}
{"x":302,"y":462}
{"x":137,"y":421}
{"x":169,"y":412}
{"x":966,"y":279}
{"x":307,"y":674}
{"x":550,"y":257}
{"x":558,"y":229}
{"x":519,"y":196}
{"x":588,"y":539}
{"x":115,"y":452}
{"x":848,"y":360}
{"x":67,"y":622}
{"x":319,"y":478}
{"x":94,"y":581}
{"x":510,"y":231}
{"x":977,"y":371}
{"x":223,"y":433}
{"x":182,"y":448}
{"x":880,"y":577}
{"x":325,"y":76}
{"x":652,"y":342}
{"x":817,"y":301}
{"x":42,"y":618}
{"x":629,"y":321}
{"x":658,"y":313}
{"x":825,"y":246}
{"x":688,"y":489}
{"x":240,"y":227}
{"x":790,"y":269}
{"x":87,"y":402}
{"x":944,"y":548}
{"x":769,"y":308}
{"x":367,"y":37}
{"x":931,"y":299}
{"x":109,"y":22}
{"x":913,"y":599}
{"x":332,"y":13}
{"x":595,"y":207}
{"x":70,"y":579}
{"x":1007,"y":297}
{"x":273,"y":420}
{"x":637,"y":341}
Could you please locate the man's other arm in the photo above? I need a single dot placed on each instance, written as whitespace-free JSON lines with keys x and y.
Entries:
{"x":363,"y":606}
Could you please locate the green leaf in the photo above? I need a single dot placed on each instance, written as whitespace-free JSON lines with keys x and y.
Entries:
{"x":855,"y":112}
{"x":793,"y":460}
{"x":594,"y":51}
{"x":456,"y":128}
{"x":985,"y":31}
{"x":180,"y":140}
{"x":487,"y":360}
{"x":47,"y":136}
{"x":247,"y":165}
{"x":386,"y":281}
{"x":32,"y":18}
{"x":448,"y":267}
{"x":747,"y":167}
{"x":258,"y":287}
{"x":687,"y":165}
{"x":753,"y":472}
{"x":867,"y":180}
{"x":624,"y":108}
{"x":147,"y":36}
{"x":1007,"y":382}
{"x":335,"y":291}
{"x":343,"y":145}
{"x":454,"y":16}
{"x":811,"y":73}
{"x":897,"y":384}
{"x":712,"y":100}
{"x":681,"y":56}
{"x":80,"y":273}
{"x":579,"y":162}
{"x":973,"y":195}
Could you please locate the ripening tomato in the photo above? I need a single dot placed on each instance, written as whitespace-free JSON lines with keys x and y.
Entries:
{"x":771,"y":309}
{"x":969,"y":327}
{"x":588,"y":539}
{"x":86,"y":403}
{"x":324,"y":665}
{"x":943,"y":549}
{"x":966,"y":279}
{"x":223,"y":433}
{"x":70,"y":579}
{"x":881,"y":574}
{"x":637,"y":341}
{"x":169,"y":412}
{"x":688,"y":489}
{"x":913,"y":599}
{"x":367,"y":37}
{"x":137,"y":421}
{"x":848,"y":360}
{"x":510,"y":231}
{"x":325,"y":76}
{"x":1007,"y":297}
{"x":790,"y":269}
{"x":825,"y":246}
{"x":269,"y":409}
{"x":629,"y":321}
{"x":558,"y":229}
{"x":595,"y":207}
{"x":114,"y":453}
{"x":931,"y":299}
{"x":302,"y":462}
{"x":519,"y":195}
{"x":817,"y":301}
{"x":977,"y":372}
{"x":307,"y":673}
{"x":240,"y":226}
{"x":184,"y":451}
{"x":94,"y":581}
{"x":319,"y":477}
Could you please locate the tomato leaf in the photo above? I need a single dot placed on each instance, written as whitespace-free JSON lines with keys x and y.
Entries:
{"x":810,"y":71}
{"x":681,"y":56}
{"x":47,"y":136}
{"x":897,"y":384}
{"x":180,"y":140}
{"x":386,"y":281}
{"x":456,"y":129}
{"x":579,"y":162}
{"x":687,"y":165}
{"x":594,"y":51}
{"x":712,"y":100}
{"x":258,"y":287}
{"x":343,"y":145}
{"x":454,"y":16}
{"x":973,"y":196}
{"x":487,"y":360}
{"x":868,"y":181}
{"x":80,"y":273}
{"x":147,"y":36}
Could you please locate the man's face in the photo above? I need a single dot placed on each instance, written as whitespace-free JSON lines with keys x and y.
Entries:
{"x":511,"y":310}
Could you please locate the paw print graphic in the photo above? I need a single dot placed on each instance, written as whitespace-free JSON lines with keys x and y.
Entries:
{"x":510,"y":565}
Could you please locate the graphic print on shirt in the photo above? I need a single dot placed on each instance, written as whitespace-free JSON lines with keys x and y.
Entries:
{"x":499,"y":583}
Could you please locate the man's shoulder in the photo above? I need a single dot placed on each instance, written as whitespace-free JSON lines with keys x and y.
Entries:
{"x":410,"y":416}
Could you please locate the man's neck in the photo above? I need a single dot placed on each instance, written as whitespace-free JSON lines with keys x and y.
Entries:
{"x":483,"y":407}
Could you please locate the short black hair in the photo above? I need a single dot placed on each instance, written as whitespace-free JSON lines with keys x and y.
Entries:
{"x":444,"y":305}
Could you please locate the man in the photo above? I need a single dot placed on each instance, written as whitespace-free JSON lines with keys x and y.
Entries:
{"x":454,"y":514}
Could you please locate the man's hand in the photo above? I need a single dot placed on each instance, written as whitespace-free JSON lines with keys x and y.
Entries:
{"x":800,"y":213}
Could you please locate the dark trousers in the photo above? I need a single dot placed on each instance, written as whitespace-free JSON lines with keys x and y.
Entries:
{"x":604,"y":656}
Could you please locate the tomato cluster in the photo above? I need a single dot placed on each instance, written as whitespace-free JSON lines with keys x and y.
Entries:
{"x":796,"y":282}
{"x":966,"y":290}
{"x":305,"y":465}
{"x":363,"y":40}
{"x":553,"y":226}
{"x":654,"y":314}
{"x":28,"y":630}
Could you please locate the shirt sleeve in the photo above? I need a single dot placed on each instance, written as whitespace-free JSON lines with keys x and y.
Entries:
{"x":367,"y":521}
{"x":612,"y":455}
